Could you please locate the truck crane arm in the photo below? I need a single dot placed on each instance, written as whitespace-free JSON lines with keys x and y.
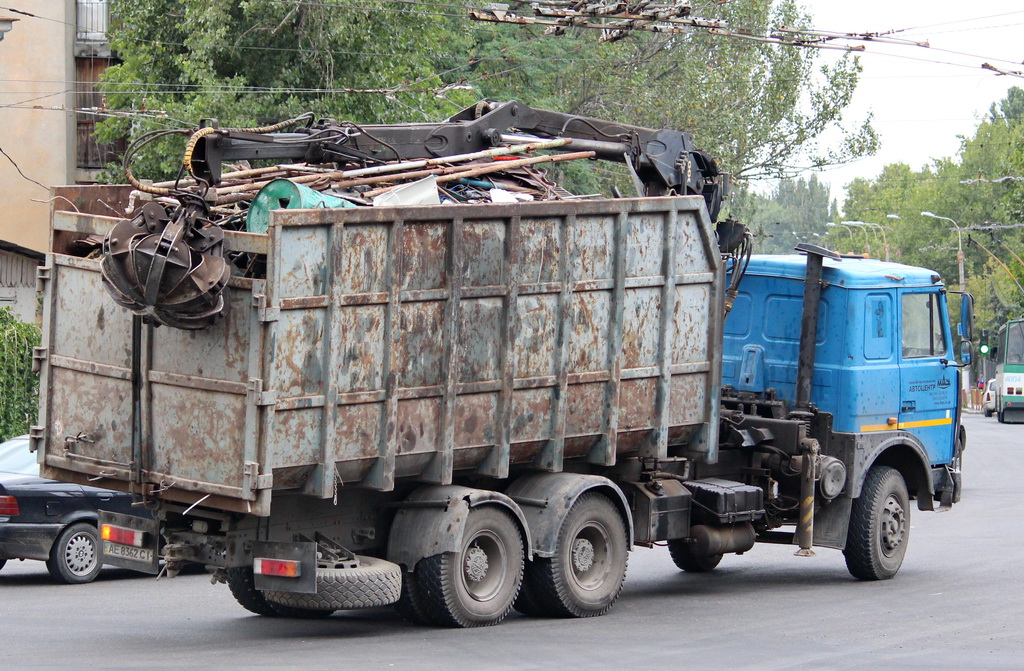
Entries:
{"x":662,"y":162}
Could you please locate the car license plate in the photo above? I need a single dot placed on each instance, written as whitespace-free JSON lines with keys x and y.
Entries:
{"x":127,"y":551}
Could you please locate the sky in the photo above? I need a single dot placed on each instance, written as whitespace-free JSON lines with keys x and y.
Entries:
{"x":922,"y":99}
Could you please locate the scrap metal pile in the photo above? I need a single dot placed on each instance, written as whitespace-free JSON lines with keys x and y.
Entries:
{"x":476,"y":177}
{"x":168,"y":262}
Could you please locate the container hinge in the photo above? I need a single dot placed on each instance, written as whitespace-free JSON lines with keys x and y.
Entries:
{"x":257,"y":395}
{"x":43,"y":275}
{"x":36,"y":436}
{"x":266,"y":314}
{"x":39,"y":355}
{"x":257,"y":481}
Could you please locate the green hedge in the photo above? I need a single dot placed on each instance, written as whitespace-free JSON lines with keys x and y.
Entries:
{"x":19,"y":386}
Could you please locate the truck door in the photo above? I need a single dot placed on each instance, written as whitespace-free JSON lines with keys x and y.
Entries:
{"x":929,"y":387}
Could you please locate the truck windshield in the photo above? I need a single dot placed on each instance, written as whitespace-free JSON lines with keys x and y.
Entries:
{"x":923,"y":328}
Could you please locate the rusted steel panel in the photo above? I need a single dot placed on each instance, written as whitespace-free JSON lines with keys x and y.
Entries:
{"x":220,"y":353}
{"x":182,"y":429}
{"x":409,"y":343}
{"x":87,"y":325}
{"x":94,"y":406}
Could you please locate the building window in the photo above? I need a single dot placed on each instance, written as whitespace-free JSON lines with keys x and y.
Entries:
{"x":93,"y":20}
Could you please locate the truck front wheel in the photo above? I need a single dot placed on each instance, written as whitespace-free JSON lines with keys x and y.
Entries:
{"x":879,"y":526}
{"x":585,"y":575}
{"x":477,"y":585}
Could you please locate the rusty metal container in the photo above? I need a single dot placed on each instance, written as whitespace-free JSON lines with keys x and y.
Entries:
{"x":388,"y":344}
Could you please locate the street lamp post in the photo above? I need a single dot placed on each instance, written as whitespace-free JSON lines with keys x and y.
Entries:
{"x":849,"y":231}
{"x":875,"y":228}
{"x":960,"y":266}
{"x":959,"y":245}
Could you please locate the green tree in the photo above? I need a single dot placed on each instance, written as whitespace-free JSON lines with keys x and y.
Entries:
{"x":257,"y":61}
{"x":759,"y":108}
{"x":795,"y":211}
{"x":19,"y":386}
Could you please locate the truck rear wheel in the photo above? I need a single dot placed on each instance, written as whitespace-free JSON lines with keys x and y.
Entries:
{"x":476,"y":586}
{"x":879,"y":526}
{"x":685,"y":559}
{"x":586,"y":573}
{"x":243,"y":588}
{"x":410,"y":604}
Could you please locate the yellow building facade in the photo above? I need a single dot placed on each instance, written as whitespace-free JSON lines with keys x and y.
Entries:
{"x":47,"y":62}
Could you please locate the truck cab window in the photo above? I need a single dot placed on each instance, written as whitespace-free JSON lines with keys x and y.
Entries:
{"x":923,"y":327}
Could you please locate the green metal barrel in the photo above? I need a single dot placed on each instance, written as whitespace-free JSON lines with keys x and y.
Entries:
{"x":286,"y":194}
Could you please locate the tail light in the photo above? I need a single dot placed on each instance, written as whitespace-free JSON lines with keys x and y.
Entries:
{"x":282,"y":568}
{"x":8,"y":506}
{"x":122,"y":535}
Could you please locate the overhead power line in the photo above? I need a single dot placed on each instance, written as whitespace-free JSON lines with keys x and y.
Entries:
{"x":996,"y":180}
{"x":618,"y":18}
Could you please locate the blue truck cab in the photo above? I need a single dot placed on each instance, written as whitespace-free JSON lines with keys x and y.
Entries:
{"x":885,"y":380}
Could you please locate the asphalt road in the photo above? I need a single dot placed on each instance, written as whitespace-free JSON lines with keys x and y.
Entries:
{"x":957,"y":602}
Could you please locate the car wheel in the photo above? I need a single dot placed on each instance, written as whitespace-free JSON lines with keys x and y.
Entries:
{"x":987,"y":412}
{"x":75,"y":556}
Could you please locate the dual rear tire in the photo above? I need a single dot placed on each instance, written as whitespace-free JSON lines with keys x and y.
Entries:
{"x":474,"y":587}
{"x":585,"y":575}
{"x":481,"y":583}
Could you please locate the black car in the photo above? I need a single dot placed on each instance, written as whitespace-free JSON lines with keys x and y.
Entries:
{"x":51,"y":521}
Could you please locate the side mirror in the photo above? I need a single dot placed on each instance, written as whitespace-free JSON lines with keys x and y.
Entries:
{"x":966,"y":351}
{"x":966,"y":329}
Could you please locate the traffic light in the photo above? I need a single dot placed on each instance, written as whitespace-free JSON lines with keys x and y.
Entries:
{"x":983,"y":347}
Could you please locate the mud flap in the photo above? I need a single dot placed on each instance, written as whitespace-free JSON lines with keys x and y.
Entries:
{"x":304,"y":553}
{"x":130,"y":541}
